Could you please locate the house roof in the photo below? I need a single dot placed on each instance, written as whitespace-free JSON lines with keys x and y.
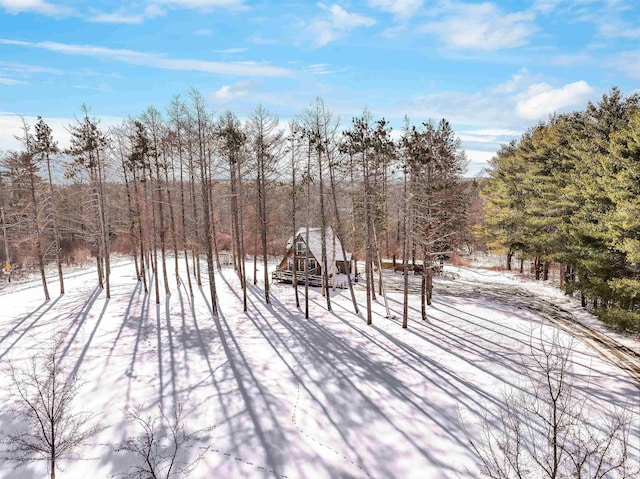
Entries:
{"x":334,"y":248}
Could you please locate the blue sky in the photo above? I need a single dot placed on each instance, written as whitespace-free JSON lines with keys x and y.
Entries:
{"x":493,"y":69}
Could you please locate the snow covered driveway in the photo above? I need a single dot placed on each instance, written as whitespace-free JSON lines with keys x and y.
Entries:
{"x":287,"y":397}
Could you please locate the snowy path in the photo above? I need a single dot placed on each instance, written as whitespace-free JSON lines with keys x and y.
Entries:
{"x":292,"y":398}
{"x":542,"y":300}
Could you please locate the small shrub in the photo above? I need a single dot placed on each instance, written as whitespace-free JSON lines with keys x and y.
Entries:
{"x":622,"y":320}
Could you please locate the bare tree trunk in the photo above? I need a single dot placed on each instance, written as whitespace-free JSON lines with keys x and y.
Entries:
{"x":36,"y":227}
{"x":405,"y":254}
{"x":368,"y":268}
{"x":6,"y":242}
{"x":194,"y":212}
{"x":243,"y":266}
{"x":185,"y":244}
{"x":323,"y":232}
{"x":339,"y":233}
{"x":423,"y":289}
{"x":163,"y":232}
{"x":293,"y":213}
{"x":143,"y":271}
{"x":56,"y":232}
{"x":383,"y":290}
{"x":306,"y":239}
{"x":172,"y":218}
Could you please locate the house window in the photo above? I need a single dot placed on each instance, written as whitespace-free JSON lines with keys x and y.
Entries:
{"x":312,"y":264}
{"x":301,"y":248}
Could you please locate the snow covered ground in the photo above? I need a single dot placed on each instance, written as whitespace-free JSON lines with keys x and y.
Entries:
{"x":286,"y":397}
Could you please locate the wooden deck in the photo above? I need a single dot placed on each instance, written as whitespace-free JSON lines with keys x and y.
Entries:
{"x":286,"y":276}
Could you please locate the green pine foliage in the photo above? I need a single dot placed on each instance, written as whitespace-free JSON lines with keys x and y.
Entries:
{"x":568,"y":191}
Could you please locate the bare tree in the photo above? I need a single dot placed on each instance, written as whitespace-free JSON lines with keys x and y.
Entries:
{"x":45,"y":147}
{"x":49,"y":426}
{"x":162,"y":449}
{"x":547,"y":433}
{"x":88,"y":144}
{"x":266,"y":140}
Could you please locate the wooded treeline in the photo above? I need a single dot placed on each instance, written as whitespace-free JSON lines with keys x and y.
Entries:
{"x":176,"y":190}
{"x":568,"y":191}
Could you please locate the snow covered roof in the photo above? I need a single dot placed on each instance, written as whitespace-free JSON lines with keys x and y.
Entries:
{"x":334,"y":248}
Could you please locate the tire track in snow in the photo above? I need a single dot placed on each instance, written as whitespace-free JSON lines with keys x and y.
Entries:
{"x":511,"y":295}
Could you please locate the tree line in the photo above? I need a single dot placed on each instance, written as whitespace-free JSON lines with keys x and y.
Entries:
{"x":187,"y":185}
{"x":568,"y":191}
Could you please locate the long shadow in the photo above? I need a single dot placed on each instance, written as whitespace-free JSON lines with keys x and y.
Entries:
{"x":88,"y":343}
{"x":21,"y":321}
{"x":159,"y":354}
{"x":30,"y":326}
{"x":130,"y":372}
{"x":267,"y":445}
{"x":171,"y":352}
{"x":183,"y":328}
{"x":125,"y":319}
{"x":205,"y":354}
{"x":80,"y":318}
{"x":335,"y":351}
{"x":298,"y":378}
{"x":435,"y":367}
{"x":578,"y":358}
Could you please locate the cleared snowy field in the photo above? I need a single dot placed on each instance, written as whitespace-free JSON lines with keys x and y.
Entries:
{"x":328,"y":397}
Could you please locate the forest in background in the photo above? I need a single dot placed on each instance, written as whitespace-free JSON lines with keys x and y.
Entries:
{"x":188,"y":185}
{"x":568,"y":192}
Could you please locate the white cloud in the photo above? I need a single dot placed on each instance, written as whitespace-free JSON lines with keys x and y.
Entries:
{"x":203,"y":32}
{"x":488,"y":135}
{"x":11,"y":126}
{"x":202,"y":4}
{"x":482,"y":27}
{"x":571,"y":60}
{"x":229,"y":93}
{"x":25,"y":69}
{"x":545,"y":6}
{"x":515,"y":83}
{"x":117,"y":17}
{"x":230,"y":51}
{"x":335,"y":24}
{"x":540,"y":99}
{"x":35,"y":6}
{"x":11,"y":81}
{"x":156,"y":61}
{"x":628,"y":63}
{"x":402,"y":9}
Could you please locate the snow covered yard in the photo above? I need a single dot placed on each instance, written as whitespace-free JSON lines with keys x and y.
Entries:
{"x":328,"y":397}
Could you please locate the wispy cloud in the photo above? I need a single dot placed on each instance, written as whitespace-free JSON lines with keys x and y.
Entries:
{"x":628,"y":63}
{"x":323,"y":69}
{"x":25,"y":69}
{"x":11,"y":81}
{"x":402,"y":9}
{"x":571,"y":60}
{"x":230,"y":50}
{"x":481,"y":27}
{"x":202,"y":4}
{"x":545,"y":6}
{"x":153,"y":60}
{"x":35,"y":6}
{"x":335,"y":23}
{"x":117,"y":17}
{"x":203,"y":32}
